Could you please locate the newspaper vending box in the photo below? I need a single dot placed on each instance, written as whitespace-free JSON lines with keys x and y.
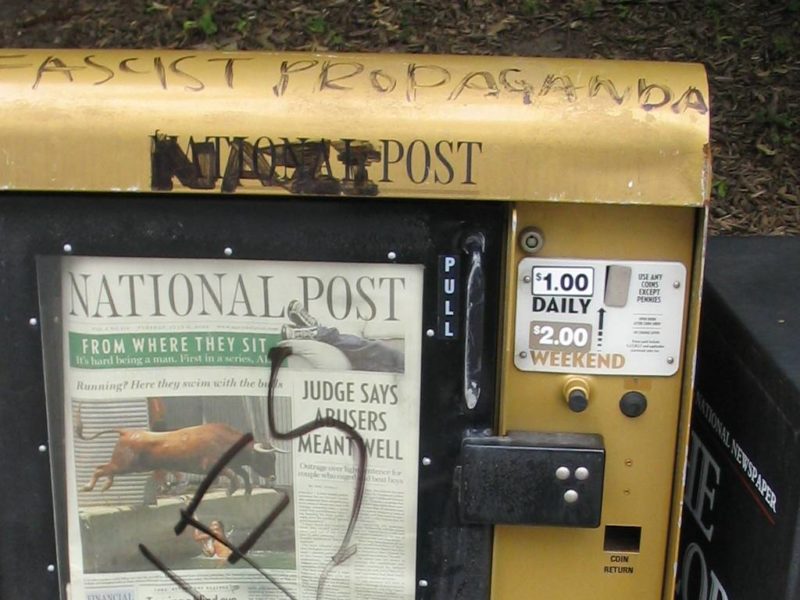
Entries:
{"x":346,"y":326}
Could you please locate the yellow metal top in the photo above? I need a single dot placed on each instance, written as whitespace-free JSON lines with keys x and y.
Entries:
{"x":461,"y":127}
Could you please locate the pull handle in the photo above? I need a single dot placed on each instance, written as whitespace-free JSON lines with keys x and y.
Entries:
{"x":474,"y":245}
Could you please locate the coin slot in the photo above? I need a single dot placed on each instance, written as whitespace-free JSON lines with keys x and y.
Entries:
{"x":621,"y":538}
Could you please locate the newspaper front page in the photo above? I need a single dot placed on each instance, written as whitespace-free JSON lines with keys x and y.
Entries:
{"x":165,"y":367}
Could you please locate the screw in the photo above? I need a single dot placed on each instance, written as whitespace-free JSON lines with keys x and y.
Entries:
{"x":392,"y":255}
{"x":51,"y":568}
{"x":430,"y":333}
{"x":523,"y":354}
{"x":626,"y":491}
{"x":67,"y":248}
{"x":42,"y":448}
{"x":228,"y":251}
{"x":527,"y":279}
{"x":628,"y":462}
{"x":676,"y":284}
{"x":670,"y":360}
{"x":426,"y":461}
{"x":423,"y":583}
{"x":33,"y":321}
{"x":531,"y":240}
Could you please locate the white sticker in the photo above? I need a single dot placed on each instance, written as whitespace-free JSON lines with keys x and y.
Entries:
{"x":599,"y":316}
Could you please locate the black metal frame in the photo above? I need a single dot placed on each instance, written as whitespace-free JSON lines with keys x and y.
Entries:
{"x":454,"y":560}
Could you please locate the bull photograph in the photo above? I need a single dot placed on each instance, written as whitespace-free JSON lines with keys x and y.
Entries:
{"x":139,"y":460}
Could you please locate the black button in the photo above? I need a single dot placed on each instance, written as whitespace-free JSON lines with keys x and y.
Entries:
{"x":577,"y":400}
{"x":633,"y":404}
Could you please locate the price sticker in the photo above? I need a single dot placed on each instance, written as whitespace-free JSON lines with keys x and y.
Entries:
{"x":564,"y":336}
{"x":563,"y":281}
{"x":599,"y":316}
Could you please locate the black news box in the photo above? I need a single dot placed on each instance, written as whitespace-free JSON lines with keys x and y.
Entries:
{"x":740,"y":517}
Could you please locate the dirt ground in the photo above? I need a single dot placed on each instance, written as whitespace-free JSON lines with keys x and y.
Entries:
{"x":751,"y":50}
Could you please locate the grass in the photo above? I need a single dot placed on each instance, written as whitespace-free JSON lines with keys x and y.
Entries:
{"x":316,"y":25}
{"x":205,"y":22}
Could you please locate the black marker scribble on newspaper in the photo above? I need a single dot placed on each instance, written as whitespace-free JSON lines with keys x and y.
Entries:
{"x":277,"y":356}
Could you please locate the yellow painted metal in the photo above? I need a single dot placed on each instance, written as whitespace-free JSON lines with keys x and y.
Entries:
{"x":609,"y":159}
{"x":687,"y":394}
{"x":494,"y":128}
{"x":642,"y":472}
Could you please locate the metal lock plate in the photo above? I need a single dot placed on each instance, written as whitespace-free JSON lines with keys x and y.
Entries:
{"x":532,"y":479}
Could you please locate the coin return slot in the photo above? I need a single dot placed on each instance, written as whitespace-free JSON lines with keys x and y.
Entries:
{"x":622,"y":539}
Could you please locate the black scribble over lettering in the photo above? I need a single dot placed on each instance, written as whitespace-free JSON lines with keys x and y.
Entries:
{"x":521,"y":86}
{"x":345,"y":550}
{"x":301,"y":167}
{"x":215,"y":471}
{"x":597,"y":83}
{"x":229,"y":62}
{"x":13,"y":56}
{"x":124,"y":66}
{"x":169,"y":573}
{"x":276,"y":356}
{"x":173,"y":67}
{"x":482,"y":81}
{"x":691,"y":98}
{"x":382,"y":82}
{"x":187,"y":518}
{"x":109,"y":73}
{"x":158,"y":65}
{"x":648,"y":95}
{"x":327,"y":81}
{"x":53,"y":64}
{"x":288,"y":68}
{"x":559,"y":82}
{"x":413,"y":83}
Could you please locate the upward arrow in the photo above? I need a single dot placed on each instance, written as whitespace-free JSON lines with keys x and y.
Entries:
{"x":602,"y":313}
